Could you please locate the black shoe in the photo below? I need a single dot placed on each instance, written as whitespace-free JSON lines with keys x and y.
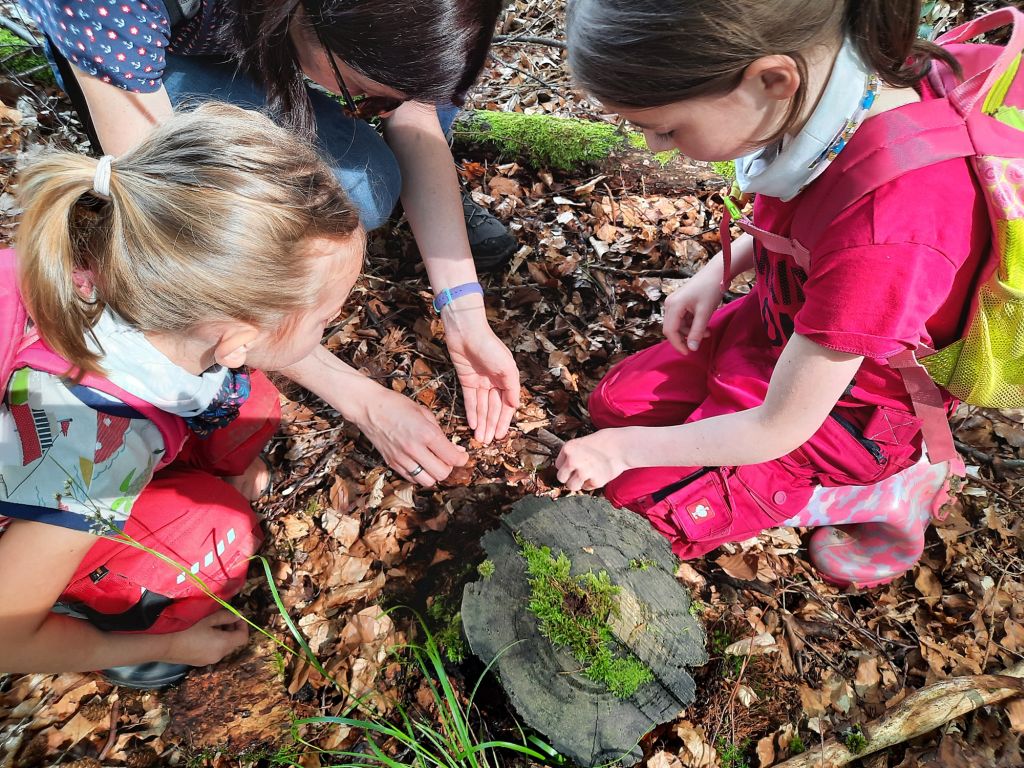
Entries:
{"x":492,"y":244}
{"x":150,"y":676}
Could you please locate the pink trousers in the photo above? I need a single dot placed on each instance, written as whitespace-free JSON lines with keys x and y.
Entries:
{"x":699,"y":508}
{"x":190,"y":515}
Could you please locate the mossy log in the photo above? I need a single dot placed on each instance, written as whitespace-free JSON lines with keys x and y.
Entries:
{"x":575,"y":146}
{"x":581,"y":718}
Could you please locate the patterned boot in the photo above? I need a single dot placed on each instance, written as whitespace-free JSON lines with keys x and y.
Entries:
{"x":868,"y":535}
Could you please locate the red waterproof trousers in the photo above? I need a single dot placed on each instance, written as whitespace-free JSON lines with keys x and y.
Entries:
{"x":699,"y":508}
{"x":194,"y":518}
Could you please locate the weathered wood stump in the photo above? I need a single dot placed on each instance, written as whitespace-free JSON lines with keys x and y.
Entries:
{"x":581,"y":718}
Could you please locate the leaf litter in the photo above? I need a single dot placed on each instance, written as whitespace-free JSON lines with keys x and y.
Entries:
{"x":794,"y":661}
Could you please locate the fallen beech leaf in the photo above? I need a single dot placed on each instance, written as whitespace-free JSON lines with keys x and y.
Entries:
{"x":753,"y":646}
{"x":690,"y":576}
{"x":928,"y":585}
{"x":742,"y":565}
{"x":746,"y":696}
{"x":766,"y":751}
{"x":867,"y":677}
{"x":664,"y":759}
{"x":501,"y":185}
{"x":697,"y":751}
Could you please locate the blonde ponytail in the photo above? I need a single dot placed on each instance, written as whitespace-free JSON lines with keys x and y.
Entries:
{"x":205,"y":220}
{"x":59,"y":212}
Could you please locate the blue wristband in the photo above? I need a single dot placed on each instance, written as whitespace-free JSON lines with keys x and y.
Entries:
{"x":448,"y":295}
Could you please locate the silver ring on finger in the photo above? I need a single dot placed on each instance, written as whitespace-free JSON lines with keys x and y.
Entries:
{"x":415,"y":471}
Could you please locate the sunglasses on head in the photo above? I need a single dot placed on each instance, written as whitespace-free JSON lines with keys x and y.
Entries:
{"x":362,"y":107}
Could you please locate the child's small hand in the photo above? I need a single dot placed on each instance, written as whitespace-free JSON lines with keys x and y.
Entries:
{"x":591,"y":462}
{"x":208,"y":641}
{"x":688,"y":309}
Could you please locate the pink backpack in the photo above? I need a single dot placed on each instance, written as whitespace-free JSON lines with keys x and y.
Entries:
{"x":979,"y":118}
{"x":20,"y":347}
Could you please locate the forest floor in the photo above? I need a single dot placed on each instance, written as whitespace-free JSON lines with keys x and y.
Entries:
{"x":347,"y":540}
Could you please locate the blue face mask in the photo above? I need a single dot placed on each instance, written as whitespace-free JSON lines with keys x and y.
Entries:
{"x":783,"y":169}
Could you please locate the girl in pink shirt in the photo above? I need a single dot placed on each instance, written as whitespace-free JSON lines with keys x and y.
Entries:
{"x":780,"y":407}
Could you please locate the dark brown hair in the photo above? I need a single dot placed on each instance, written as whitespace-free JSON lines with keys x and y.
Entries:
{"x":650,"y":53}
{"x":430,"y":50}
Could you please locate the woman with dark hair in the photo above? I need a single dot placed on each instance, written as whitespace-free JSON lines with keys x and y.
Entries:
{"x":126,"y":63}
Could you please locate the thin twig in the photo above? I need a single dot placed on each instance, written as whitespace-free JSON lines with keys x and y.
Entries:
{"x":529,"y":40}
{"x":521,"y":71}
{"x":115,"y":713}
{"x":983,"y":458}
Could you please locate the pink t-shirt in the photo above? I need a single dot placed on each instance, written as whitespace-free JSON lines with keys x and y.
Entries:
{"x":895,"y":269}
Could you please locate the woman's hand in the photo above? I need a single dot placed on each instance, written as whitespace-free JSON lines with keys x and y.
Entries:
{"x":591,"y":462}
{"x":488,"y":375}
{"x":689,"y":308}
{"x":208,"y":641}
{"x":408,"y":437}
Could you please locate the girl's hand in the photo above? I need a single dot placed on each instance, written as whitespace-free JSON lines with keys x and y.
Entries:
{"x":591,"y":462}
{"x":689,"y":308}
{"x":408,"y":437}
{"x":209,"y":640}
{"x":488,"y":375}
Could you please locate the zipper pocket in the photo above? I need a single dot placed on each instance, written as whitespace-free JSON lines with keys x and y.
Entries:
{"x":869,"y":445}
{"x":668,"y":490}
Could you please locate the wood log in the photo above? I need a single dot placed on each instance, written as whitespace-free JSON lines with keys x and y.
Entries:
{"x":921,"y":712}
{"x":582,"y":146}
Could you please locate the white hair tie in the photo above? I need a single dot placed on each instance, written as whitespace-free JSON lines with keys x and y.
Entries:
{"x":101,"y":181}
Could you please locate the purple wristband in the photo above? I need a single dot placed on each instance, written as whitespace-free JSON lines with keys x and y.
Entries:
{"x":448,"y":295}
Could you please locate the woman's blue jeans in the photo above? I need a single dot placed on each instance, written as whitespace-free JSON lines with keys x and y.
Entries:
{"x":361,"y":159}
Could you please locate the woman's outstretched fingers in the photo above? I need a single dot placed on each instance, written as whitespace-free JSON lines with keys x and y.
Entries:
{"x":469,"y":395}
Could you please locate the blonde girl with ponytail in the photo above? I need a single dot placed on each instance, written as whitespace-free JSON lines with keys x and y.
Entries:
{"x":145,"y":295}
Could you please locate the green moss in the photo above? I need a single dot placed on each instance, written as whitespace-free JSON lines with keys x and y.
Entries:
{"x":642,"y":563}
{"x":19,"y":58}
{"x":732,"y":755}
{"x":446,"y":623}
{"x":663,"y":158}
{"x":485,"y":569}
{"x":855,"y":740}
{"x":725,"y":169}
{"x":541,"y":140}
{"x":573,"y":612}
{"x":797,"y":746}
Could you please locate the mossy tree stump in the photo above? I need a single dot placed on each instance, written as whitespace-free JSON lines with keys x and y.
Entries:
{"x":572,"y":145}
{"x":582,"y":719}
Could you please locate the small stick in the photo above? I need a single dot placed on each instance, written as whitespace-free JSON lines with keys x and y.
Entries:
{"x":115,"y":713}
{"x":529,"y":40}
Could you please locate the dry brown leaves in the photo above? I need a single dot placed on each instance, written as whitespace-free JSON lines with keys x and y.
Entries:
{"x":790,"y":655}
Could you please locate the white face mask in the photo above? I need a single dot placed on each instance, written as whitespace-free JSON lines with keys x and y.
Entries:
{"x":783,"y":171}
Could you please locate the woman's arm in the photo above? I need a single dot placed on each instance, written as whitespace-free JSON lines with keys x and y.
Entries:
{"x":805,"y":386}
{"x":122,"y":119}
{"x":36,"y":563}
{"x":430,"y":195}
{"x":404,"y":432}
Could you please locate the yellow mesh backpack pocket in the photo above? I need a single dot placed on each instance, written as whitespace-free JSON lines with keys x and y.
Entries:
{"x":986,"y":366}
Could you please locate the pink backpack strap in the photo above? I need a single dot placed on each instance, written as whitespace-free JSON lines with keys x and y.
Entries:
{"x":885,"y":148}
{"x":19,"y":347}
{"x":775,"y":243}
{"x":965,"y":97}
{"x":172,"y":428}
{"x":13,"y":317}
{"x":930,"y":408}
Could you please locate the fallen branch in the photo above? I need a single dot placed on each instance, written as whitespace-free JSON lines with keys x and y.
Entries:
{"x":921,"y":712}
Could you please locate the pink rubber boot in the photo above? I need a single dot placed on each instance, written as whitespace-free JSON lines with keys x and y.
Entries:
{"x":869,"y":535}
